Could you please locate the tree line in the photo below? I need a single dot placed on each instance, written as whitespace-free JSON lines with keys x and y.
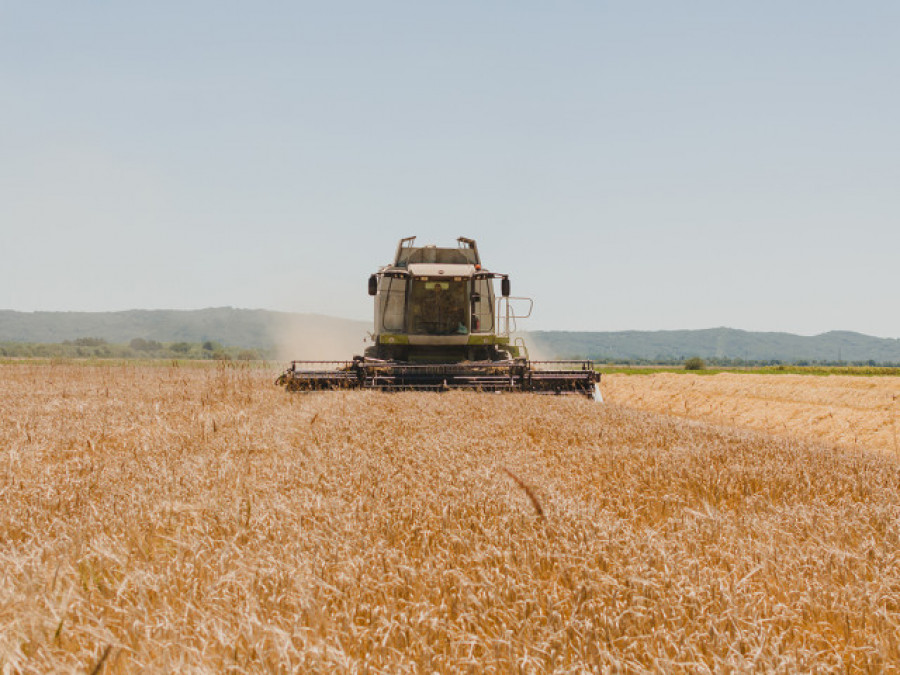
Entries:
{"x":137,"y":348}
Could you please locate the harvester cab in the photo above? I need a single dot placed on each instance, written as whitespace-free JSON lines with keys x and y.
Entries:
{"x":438,"y":304}
{"x":439,"y":325}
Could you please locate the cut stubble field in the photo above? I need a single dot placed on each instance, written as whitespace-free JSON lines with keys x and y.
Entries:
{"x":853,"y":412}
{"x":202,"y":520}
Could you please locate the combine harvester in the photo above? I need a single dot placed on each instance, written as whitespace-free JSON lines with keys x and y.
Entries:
{"x":439,"y":326}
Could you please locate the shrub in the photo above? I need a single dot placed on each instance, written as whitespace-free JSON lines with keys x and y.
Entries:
{"x":695,"y":363}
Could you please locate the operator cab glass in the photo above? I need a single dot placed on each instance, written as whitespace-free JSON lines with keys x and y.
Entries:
{"x":482,"y":307}
{"x":439,"y":306}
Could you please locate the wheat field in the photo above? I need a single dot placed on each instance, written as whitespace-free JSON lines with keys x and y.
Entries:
{"x":166,"y":519}
{"x":860,"y":412}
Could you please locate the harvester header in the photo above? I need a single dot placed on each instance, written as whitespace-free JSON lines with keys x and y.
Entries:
{"x":439,"y":325}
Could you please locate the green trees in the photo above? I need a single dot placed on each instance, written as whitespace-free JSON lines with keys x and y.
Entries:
{"x":142,"y":345}
{"x":87,"y":342}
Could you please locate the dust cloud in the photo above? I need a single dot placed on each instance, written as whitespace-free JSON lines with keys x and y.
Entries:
{"x":537,"y":350}
{"x":314,"y":337}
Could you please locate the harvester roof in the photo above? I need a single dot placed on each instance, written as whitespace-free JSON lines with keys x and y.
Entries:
{"x":408,"y":254}
{"x":438,"y":270}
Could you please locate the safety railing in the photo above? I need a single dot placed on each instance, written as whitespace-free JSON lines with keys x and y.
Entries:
{"x":507,"y":314}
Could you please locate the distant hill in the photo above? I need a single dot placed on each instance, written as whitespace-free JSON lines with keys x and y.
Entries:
{"x":717,"y":343}
{"x":313,"y":336}
{"x":307,"y":336}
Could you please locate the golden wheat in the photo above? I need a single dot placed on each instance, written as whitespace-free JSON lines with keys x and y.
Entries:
{"x":187,"y":520}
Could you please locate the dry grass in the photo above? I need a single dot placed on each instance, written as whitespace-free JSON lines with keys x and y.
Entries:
{"x":186,"y":520}
{"x":861,"y":412}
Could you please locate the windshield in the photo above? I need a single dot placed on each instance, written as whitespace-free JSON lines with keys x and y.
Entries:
{"x":438,"y":306}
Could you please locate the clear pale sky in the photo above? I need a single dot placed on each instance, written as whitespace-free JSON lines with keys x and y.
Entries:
{"x":631,"y":165}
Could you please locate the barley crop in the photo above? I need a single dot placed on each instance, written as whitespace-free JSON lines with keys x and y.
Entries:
{"x":203,"y":520}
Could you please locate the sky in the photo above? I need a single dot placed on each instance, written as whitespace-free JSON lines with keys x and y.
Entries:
{"x":640,"y":165}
